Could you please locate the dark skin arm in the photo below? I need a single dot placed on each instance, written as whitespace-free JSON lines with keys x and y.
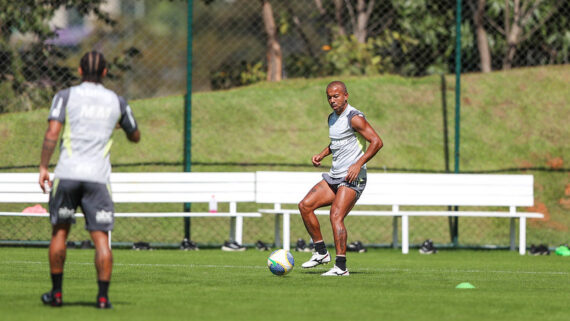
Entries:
{"x":375,"y":143}
{"x":319,"y":157}
{"x":135,"y":136}
{"x":48,"y":146}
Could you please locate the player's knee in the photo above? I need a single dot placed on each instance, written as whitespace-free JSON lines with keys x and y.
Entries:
{"x":104,"y":253}
{"x":336,"y":216}
{"x":303,"y":208}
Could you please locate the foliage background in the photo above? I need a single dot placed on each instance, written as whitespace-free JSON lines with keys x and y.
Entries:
{"x":145,"y":41}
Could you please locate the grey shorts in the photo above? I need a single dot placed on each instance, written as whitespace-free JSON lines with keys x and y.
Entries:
{"x":94,"y":199}
{"x":358,"y":185}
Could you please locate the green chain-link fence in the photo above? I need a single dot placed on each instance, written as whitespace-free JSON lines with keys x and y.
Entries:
{"x":240,"y":42}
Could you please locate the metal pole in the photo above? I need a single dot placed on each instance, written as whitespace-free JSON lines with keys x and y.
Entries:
{"x":450,"y":219}
{"x":445,"y":131}
{"x":457,"y":102}
{"x":188,"y":112}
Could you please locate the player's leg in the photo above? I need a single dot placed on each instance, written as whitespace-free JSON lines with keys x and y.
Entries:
{"x":343,"y":203}
{"x":62,"y":205}
{"x":320,"y":195}
{"x":57,"y":254}
{"x":345,"y":199}
{"x":57,"y":248}
{"x":103,"y":265}
{"x":99,"y":212}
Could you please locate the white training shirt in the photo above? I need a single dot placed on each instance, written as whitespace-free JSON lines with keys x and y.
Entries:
{"x":89,"y":113}
{"x":347,"y":145}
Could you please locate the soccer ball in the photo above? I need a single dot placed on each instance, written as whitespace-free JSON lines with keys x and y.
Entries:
{"x":280,"y":262}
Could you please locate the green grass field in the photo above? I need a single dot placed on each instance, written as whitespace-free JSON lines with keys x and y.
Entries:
{"x":214,"y":285}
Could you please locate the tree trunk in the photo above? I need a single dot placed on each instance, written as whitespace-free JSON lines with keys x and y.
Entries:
{"x":512,"y":33}
{"x":363,"y":14}
{"x":512,"y":42}
{"x":320,"y":7}
{"x":338,"y":8}
{"x":482,"y":42}
{"x":515,"y":29}
{"x":274,"y":56}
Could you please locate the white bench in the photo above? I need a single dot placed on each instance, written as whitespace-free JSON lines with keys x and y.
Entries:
{"x":194,"y":187}
{"x":395,"y":190}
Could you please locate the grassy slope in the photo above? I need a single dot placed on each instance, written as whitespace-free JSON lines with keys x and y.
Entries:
{"x":216,"y":285}
{"x":508,"y":119}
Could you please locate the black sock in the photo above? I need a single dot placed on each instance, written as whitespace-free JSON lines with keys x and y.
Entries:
{"x":320,"y":247}
{"x":56,"y":280}
{"x":103,"y":288}
{"x":341,"y":262}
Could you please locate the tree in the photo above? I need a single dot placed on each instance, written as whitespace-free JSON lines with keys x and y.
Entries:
{"x":338,"y":8}
{"x":359,"y":17}
{"x":274,"y":55}
{"x":520,"y":20}
{"x":482,"y":40}
{"x":26,"y":72}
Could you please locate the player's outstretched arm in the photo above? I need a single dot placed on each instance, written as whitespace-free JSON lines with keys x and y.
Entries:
{"x":128,"y":122}
{"x":361,"y":125}
{"x":135,"y":136}
{"x":319,"y":157}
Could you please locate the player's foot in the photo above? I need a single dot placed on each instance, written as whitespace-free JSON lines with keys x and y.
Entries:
{"x":317,"y":259}
{"x":103,"y":303}
{"x":232,"y":246}
{"x":427,"y":247}
{"x":261,"y":246}
{"x":188,"y":245}
{"x":336,"y":271}
{"x":356,"y":247}
{"x":52,"y":298}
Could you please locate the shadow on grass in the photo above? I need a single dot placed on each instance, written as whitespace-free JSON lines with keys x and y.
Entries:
{"x":89,"y":304}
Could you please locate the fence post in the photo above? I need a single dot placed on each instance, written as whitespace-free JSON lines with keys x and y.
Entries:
{"x":457,"y":105}
{"x":188,"y":113}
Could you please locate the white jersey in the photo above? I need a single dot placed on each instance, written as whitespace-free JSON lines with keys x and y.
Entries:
{"x":347,"y":145}
{"x":89,"y":113}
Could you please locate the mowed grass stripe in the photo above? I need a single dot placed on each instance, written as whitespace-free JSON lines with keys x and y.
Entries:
{"x":263,"y":267}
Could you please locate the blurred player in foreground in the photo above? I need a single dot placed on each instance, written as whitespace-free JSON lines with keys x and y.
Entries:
{"x":87,"y":114}
{"x":342,"y":186}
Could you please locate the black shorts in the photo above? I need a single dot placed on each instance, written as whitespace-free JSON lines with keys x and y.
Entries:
{"x":94,"y":198}
{"x":358,"y":185}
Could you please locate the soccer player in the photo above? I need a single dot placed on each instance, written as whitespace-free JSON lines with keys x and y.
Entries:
{"x":342,"y":186}
{"x":87,"y":114}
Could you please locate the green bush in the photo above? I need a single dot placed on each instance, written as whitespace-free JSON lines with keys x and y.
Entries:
{"x":245,"y":73}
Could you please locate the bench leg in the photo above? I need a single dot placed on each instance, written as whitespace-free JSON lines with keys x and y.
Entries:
{"x":277,"y":239}
{"x":513,"y":235}
{"x":286,"y":231}
{"x":239,"y":229}
{"x":522,"y":235}
{"x":395,"y":232}
{"x":405,"y":235}
{"x":233,"y":229}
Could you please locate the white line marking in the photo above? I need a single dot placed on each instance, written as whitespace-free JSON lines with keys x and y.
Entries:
{"x":263,"y":267}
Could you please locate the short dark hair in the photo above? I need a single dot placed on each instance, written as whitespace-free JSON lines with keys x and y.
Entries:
{"x":337,"y":83}
{"x":92,"y":65}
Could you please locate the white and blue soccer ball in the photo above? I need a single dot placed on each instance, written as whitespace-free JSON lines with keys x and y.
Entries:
{"x":280,"y":262}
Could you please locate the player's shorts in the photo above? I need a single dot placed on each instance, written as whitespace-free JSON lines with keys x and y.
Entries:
{"x":95,"y":201}
{"x":358,"y":185}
